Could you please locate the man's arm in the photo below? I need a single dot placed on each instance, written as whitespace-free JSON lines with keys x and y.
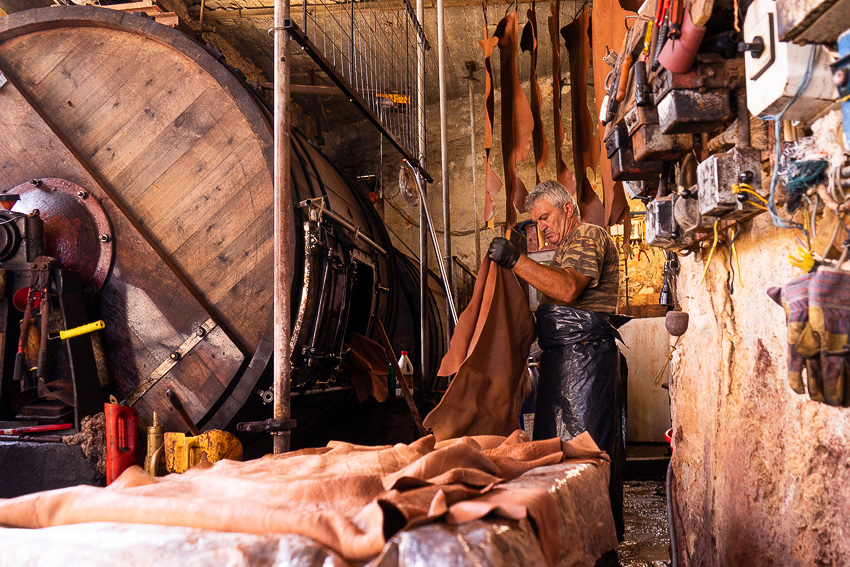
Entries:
{"x":562,"y":284}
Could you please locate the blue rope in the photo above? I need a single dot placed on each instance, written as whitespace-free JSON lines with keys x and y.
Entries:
{"x":777,"y":118}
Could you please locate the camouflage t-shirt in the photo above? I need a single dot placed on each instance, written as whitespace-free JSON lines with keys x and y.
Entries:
{"x":591,"y":251}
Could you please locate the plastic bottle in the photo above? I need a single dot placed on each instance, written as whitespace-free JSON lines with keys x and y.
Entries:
{"x":406,"y":368}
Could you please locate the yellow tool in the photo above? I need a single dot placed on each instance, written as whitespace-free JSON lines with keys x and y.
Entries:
{"x":77,"y":331}
{"x":182,"y":452}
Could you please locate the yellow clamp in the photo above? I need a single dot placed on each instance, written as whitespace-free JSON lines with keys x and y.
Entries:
{"x":183,"y":452}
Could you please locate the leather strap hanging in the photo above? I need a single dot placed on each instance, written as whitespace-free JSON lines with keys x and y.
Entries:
{"x":608,"y":28}
{"x":565,"y":176}
{"x":528,"y":42}
{"x":492,"y":183}
{"x":586,"y":148}
{"x":517,"y":120}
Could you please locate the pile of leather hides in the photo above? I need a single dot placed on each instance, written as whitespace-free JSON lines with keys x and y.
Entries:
{"x":349,"y":498}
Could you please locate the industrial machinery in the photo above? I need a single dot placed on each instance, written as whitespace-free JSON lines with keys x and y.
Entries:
{"x":140,"y":167}
{"x":678,"y":125}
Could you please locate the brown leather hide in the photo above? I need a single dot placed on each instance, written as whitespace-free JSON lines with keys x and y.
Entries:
{"x":487,"y":355}
{"x":492,"y":183}
{"x":565,"y":176}
{"x":586,"y":147}
{"x":529,"y":43}
{"x":349,"y":498}
{"x":608,"y":28}
{"x":517,"y":120}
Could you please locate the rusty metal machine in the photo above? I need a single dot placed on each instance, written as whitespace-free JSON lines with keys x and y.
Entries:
{"x":141,"y":167}
{"x":678,"y":130}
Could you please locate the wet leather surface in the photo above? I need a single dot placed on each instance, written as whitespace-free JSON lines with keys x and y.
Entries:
{"x":528,"y":43}
{"x":517,"y":120}
{"x":565,"y":176}
{"x":586,"y":147}
{"x":487,"y":355}
{"x":608,"y":28}
{"x":492,"y":183}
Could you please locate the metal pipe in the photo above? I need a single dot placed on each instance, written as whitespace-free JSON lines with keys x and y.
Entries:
{"x":471,"y":66}
{"x":444,"y":162}
{"x":355,"y":229}
{"x":424,"y":336}
{"x":451,"y":307}
{"x":283,"y":244}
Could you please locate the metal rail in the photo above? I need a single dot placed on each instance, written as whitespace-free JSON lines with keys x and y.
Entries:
{"x":446,"y":285}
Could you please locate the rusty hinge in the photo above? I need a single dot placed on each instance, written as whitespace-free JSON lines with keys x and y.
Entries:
{"x":170,"y":362}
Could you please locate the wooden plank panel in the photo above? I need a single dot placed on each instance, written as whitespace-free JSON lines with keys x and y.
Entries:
{"x":82,"y":68}
{"x":202,"y":164}
{"x":223,"y":271}
{"x":49,"y":49}
{"x":187,"y":130}
{"x":158,"y":106}
{"x":223,"y":216}
{"x":175,"y":209}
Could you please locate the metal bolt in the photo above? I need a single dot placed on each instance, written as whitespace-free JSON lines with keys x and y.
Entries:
{"x":35,"y":182}
{"x":841,"y":77}
{"x":745,"y":177}
{"x":82,"y":194}
{"x":175,"y":356}
{"x":201,"y":332}
{"x":105,"y":238}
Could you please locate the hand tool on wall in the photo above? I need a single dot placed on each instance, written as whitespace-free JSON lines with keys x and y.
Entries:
{"x":77,"y":331}
{"x":36,"y":429}
{"x":20,"y":355}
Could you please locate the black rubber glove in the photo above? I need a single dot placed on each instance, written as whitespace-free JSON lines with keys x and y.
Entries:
{"x":503,"y":252}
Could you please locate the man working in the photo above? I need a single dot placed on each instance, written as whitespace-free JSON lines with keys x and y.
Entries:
{"x":580,"y":388}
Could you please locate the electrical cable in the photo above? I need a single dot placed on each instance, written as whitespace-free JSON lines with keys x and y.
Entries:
{"x":711,"y":252}
{"x":777,"y":130}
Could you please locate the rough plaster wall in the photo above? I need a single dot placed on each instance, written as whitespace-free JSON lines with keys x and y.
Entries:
{"x":762,"y":474}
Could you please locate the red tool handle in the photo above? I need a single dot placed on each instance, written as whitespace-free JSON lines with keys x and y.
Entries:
{"x":36,"y":428}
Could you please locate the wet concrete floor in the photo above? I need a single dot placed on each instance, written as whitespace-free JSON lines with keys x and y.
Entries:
{"x":645,"y":514}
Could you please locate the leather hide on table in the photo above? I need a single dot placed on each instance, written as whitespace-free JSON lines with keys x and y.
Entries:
{"x":349,"y":498}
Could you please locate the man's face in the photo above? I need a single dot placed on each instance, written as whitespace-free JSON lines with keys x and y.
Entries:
{"x":553,"y":221}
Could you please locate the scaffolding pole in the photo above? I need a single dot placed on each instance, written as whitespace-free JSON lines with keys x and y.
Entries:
{"x":282,"y":227}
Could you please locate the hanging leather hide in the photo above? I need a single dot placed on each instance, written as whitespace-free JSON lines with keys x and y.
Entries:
{"x":565,"y":176}
{"x":608,"y":28}
{"x":492,"y":183}
{"x":586,"y":148}
{"x":517,"y":120}
{"x":528,"y":42}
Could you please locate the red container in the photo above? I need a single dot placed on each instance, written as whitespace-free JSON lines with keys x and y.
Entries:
{"x":122,"y":425}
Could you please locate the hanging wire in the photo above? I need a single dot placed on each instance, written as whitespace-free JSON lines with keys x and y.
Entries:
{"x":777,"y":129}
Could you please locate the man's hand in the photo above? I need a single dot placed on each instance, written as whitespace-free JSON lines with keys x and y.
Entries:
{"x":503,"y":252}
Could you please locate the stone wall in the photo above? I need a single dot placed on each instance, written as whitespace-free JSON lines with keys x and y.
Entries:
{"x":762,"y":473}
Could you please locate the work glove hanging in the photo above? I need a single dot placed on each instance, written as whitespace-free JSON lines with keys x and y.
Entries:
{"x":803,"y":346}
{"x":503,"y":252}
{"x":829,"y":319}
